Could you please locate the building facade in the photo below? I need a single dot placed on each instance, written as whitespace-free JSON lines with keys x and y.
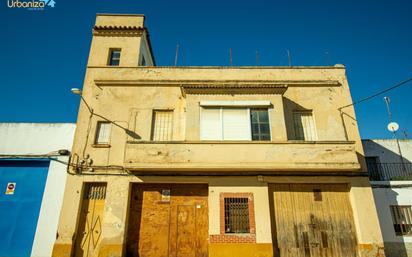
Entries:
{"x":391,"y":180}
{"x":33,"y":168}
{"x":212,"y":161}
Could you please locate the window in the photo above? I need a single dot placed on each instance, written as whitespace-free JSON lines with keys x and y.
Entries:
{"x":260,"y":124}
{"x":402,"y":219}
{"x":162,"y":125}
{"x":304,"y":126}
{"x":218,"y":123}
{"x":236,"y":215}
{"x":373,"y":163}
{"x":114,"y":57}
{"x":103,"y":133}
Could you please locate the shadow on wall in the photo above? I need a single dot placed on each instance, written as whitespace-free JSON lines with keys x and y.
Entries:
{"x":385,"y":197}
{"x":384,"y":165}
{"x":288,"y":107}
{"x":385,"y":154}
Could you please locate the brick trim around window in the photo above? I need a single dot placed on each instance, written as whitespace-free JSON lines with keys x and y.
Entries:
{"x":236,"y":238}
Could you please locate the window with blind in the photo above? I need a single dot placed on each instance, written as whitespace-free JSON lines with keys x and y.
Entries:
{"x":103,"y":133}
{"x":402,"y":219}
{"x":236,"y":215}
{"x":218,"y":123}
{"x":304,"y":126}
{"x":162,"y":128}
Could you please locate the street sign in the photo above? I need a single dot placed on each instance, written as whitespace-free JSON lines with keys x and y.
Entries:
{"x":10,"y":188}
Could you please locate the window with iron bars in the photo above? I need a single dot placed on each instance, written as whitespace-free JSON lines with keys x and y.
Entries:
{"x":402,"y":219}
{"x":236,"y":215}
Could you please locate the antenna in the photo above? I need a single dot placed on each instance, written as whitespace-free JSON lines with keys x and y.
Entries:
{"x":177,"y":54}
{"x":289,"y":58}
{"x":230,"y":57}
{"x":387,"y":102}
{"x":257,"y":58}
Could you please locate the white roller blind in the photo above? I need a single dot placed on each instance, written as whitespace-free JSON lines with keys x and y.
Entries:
{"x":225,"y":124}
{"x":236,"y":124}
{"x":163,"y":126}
{"x":103,"y":132}
{"x":304,"y":126}
{"x":211,"y":124}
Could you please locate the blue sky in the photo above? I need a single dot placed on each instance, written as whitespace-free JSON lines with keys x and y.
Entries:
{"x":44,"y":53}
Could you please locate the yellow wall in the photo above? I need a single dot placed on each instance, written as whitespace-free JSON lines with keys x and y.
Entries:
{"x":128,"y":94}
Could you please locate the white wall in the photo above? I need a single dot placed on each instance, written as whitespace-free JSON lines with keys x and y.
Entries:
{"x":37,"y":140}
{"x":387,"y":149}
{"x":393,"y":195}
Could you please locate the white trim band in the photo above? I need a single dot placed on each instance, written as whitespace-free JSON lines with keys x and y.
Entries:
{"x":235,"y":103}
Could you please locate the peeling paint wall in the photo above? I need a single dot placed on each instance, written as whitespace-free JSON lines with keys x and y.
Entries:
{"x":127,"y":96}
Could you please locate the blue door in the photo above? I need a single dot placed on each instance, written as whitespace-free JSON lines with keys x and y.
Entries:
{"x":19,"y":211}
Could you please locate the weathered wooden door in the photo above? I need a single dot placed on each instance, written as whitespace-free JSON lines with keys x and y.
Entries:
{"x":312,"y":220}
{"x":168,"y":220}
{"x":90,"y":222}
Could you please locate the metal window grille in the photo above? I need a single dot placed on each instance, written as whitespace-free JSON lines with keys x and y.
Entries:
{"x":260,"y":124}
{"x":114,"y":57}
{"x":236,"y":215}
{"x":103,"y":132}
{"x":402,"y":219}
{"x":162,"y":125}
{"x":95,"y":191}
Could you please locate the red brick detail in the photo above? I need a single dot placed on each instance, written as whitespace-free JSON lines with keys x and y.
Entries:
{"x":233,"y":238}
{"x":236,"y":238}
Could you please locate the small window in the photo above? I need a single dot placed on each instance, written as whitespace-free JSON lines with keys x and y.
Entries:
{"x":162,"y":127}
{"x":402,"y":219}
{"x":260,"y":124}
{"x":103,"y":133}
{"x":304,"y":126}
{"x":236,"y":215}
{"x":114,"y":57}
{"x":373,"y":163}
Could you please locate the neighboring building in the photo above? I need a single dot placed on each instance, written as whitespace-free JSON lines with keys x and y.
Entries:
{"x":32,"y":180}
{"x":391,"y":180}
{"x":212,"y":161}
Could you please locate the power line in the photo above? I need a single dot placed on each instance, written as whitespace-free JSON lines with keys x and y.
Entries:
{"x":378,"y":94}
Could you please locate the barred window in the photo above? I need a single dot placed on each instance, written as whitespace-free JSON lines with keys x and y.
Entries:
{"x":402,"y":219}
{"x":236,"y":215}
{"x":162,"y":125}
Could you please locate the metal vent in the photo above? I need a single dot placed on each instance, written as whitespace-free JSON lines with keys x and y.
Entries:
{"x":95,"y":191}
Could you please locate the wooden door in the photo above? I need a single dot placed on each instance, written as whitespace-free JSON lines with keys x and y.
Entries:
{"x":311,"y":220}
{"x":90,"y":222}
{"x":168,"y":220}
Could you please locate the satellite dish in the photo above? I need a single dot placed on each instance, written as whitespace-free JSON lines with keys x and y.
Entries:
{"x":393,"y":127}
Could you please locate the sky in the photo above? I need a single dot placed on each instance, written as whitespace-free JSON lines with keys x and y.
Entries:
{"x":44,"y":53}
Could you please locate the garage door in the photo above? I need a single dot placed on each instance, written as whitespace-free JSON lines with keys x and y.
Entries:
{"x":312,"y":220}
{"x":168,"y":220}
{"x":19,"y":209}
